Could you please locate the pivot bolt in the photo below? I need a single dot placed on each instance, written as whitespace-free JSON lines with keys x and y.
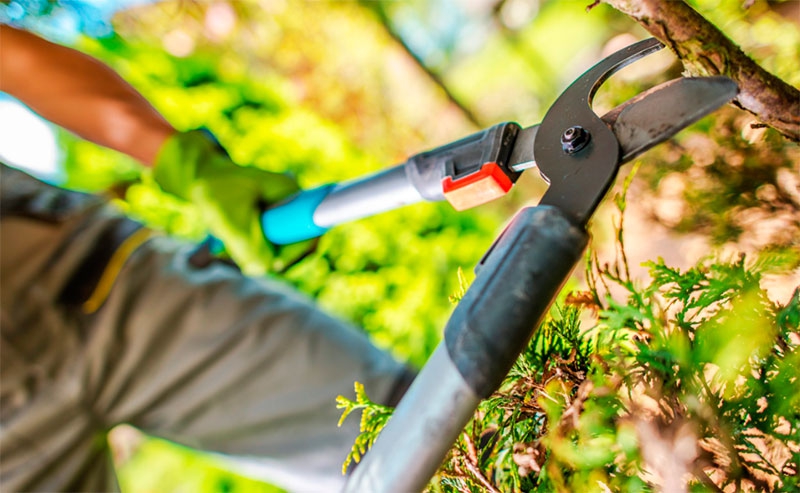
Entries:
{"x":574,"y":139}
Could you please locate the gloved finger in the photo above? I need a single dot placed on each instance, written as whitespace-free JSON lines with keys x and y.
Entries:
{"x":277,"y":186}
{"x":248,"y":247}
{"x":288,"y":255}
{"x":239,"y":227}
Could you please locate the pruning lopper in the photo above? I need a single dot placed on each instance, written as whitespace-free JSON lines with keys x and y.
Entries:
{"x":578,"y":153}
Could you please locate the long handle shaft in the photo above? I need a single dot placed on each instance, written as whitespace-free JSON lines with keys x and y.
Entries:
{"x":423,"y":428}
{"x":312,"y":212}
{"x":515,"y":285}
{"x":368,"y":196}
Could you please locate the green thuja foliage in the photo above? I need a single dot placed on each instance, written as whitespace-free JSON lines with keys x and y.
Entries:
{"x":461,"y":290}
{"x":502,"y":447}
{"x":689,"y":380}
{"x":373,"y":418}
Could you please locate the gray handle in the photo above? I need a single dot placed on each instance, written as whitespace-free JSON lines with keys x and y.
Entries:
{"x":516,"y":282}
{"x":311,"y":213}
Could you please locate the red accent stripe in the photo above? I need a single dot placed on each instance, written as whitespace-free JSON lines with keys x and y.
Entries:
{"x":488,"y":170}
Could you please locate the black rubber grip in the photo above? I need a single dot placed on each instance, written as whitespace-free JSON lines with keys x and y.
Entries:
{"x":516,"y":283}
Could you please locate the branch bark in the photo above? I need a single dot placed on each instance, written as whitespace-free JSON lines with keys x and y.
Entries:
{"x":704,"y":50}
{"x":379,"y":10}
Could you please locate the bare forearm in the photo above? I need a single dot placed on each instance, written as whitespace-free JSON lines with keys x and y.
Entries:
{"x":80,"y":94}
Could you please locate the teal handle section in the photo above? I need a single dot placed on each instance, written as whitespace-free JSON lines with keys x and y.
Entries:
{"x":293,"y":221}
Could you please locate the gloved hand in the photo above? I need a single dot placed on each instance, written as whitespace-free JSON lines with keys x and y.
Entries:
{"x":194,"y":167}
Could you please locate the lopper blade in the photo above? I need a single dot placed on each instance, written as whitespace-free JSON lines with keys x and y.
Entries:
{"x":649,"y":118}
{"x":659,"y":113}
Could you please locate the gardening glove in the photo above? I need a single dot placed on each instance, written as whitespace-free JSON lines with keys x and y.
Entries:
{"x":194,"y":167}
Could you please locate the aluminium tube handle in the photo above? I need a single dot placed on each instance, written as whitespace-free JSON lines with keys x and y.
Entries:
{"x":311,"y":213}
{"x":516,"y":282}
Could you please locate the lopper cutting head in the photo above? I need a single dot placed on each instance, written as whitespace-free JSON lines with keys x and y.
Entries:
{"x":579,"y":153}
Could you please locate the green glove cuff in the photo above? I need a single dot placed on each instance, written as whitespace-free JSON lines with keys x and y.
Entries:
{"x":178,"y":161}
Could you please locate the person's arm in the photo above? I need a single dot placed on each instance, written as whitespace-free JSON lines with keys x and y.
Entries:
{"x":80,"y":94}
{"x":86,"y":97}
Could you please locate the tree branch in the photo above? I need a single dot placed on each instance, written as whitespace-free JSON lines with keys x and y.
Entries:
{"x":378,"y":9}
{"x":704,"y":50}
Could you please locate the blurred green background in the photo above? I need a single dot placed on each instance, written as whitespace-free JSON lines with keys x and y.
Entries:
{"x":332,"y":90}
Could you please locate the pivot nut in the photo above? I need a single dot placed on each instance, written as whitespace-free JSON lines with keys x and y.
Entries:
{"x":574,"y":139}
